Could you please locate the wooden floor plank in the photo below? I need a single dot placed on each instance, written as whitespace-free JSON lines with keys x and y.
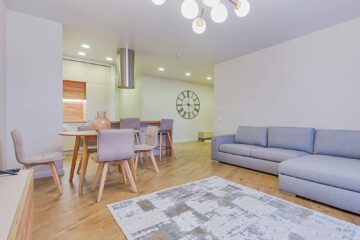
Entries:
{"x":72,"y":217}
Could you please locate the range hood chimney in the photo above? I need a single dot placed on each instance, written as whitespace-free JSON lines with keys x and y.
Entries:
{"x":125,"y":62}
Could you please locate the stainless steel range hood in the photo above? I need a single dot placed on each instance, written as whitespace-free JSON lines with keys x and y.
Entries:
{"x":125,"y":62}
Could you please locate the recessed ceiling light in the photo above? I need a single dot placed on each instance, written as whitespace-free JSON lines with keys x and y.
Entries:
{"x":85,"y":46}
{"x":109,"y":59}
{"x":188,"y":74}
{"x":81,"y":53}
{"x":161,"y":69}
{"x":209,"y":78}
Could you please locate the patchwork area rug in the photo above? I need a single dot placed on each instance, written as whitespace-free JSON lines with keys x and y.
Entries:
{"x":215,"y":208}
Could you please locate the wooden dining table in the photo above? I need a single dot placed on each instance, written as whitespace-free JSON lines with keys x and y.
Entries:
{"x":82,"y":137}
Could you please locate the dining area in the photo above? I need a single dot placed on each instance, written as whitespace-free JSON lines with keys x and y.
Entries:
{"x":125,"y":144}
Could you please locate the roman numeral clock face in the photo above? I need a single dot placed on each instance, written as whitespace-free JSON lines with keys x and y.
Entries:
{"x":188,"y":104}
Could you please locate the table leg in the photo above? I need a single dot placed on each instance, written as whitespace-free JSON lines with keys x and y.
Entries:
{"x":85,"y":157}
{"x":168,"y":143}
{"x":74,"y":158}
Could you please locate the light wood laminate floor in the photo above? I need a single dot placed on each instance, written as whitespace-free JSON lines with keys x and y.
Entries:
{"x":72,"y":217}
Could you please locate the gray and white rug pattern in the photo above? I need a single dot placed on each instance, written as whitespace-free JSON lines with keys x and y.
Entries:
{"x":214,"y":208}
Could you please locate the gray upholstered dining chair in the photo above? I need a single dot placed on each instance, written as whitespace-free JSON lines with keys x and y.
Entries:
{"x":166,"y":128}
{"x":131,"y":123}
{"x":47,"y":159}
{"x":151,"y":143}
{"x":115,"y":146}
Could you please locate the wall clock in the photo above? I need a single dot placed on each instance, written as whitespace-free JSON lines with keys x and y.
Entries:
{"x":188,"y":104}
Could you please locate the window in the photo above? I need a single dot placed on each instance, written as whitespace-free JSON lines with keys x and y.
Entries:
{"x":74,"y":101}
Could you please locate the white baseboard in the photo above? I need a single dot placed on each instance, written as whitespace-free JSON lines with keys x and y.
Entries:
{"x":186,"y":140}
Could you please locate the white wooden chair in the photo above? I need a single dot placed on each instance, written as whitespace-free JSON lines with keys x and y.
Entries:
{"x":151,"y":143}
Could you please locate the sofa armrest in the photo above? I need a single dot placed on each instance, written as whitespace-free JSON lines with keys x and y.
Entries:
{"x":216,"y":141}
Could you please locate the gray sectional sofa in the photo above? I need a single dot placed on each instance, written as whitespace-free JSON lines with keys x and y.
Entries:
{"x":322,"y":165}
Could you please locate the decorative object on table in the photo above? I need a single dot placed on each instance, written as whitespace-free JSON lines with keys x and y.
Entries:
{"x":131,"y":123}
{"x":166,"y":128}
{"x":190,"y":9}
{"x":47,"y":159}
{"x":101,"y":121}
{"x":151,"y":143}
{"x":214,"y":208}
{"x":188,"y":104}
{"x":115,"y":146}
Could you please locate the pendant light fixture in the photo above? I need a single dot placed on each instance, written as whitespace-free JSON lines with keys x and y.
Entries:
{"x":190,"y":9}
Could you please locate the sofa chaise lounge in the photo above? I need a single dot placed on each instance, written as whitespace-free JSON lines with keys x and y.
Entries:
{"x":322,"y":165}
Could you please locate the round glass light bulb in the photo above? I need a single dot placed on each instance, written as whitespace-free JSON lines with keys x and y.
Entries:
{"x":219,"y":13}
{"x":190,"y":9}
{"x":242,"y":9}
{"x":199,"y":25}
{"x":158,"y":2}
{"x":210,"y":3}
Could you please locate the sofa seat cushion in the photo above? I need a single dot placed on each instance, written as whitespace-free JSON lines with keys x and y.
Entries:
{"x":275,"y":154}
{"x":329,"y":170}
{"x":237,"y":149}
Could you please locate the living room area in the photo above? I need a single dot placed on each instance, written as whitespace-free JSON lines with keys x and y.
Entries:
{"x":188,"y":119}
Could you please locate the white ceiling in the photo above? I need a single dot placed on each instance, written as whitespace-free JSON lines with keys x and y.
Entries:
{"x":159,"y":33}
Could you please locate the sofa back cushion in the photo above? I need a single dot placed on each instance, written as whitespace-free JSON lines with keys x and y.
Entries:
{"x":300,"y":139}
{"x":251,"y":135}
{"x":341,"y":143}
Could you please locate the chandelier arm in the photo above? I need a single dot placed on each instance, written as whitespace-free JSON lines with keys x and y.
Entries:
{"x":234,"y":3}
{"x":202,"y":11}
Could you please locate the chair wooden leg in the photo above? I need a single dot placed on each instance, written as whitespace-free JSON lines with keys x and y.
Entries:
{"x":123,"y":173}
{"x":97,"y":176}
{"x":161,"y":140}
{"x":74,"y":157}
{"x":137,"y":138}
{"x":55,"y":176}
{"x":154,"y":162}
{"x":79,"y":166}
{"x":171,"y":144}
{"x":134,"y":169}
{"x":129,"y":175}
{"x":146,"y":157}
{"x":102,"y":182}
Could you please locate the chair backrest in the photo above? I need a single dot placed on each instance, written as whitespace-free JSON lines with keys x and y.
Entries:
{"x":166,"y":124}
{"x":130,"y":123}
{"x":151,"y":136}
{"x":91,"y":141}
{"x":19,"y":146}
{"x":115,"y":144}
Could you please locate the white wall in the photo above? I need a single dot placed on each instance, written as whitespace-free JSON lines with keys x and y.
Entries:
{"x":34,"y":84}
{"x":98,"y":84}
{"x":155,"y":98}
{"x":312,"y":81}
{"x":2,"y":83}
